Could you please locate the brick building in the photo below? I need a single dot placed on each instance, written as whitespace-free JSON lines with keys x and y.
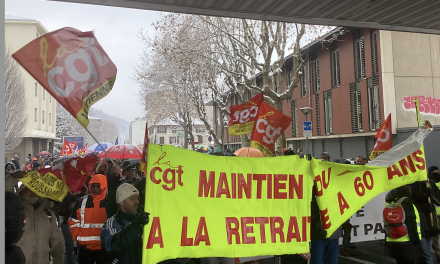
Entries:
{"x":353,"y":83}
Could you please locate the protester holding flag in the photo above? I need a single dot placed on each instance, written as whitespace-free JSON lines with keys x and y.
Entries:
{"x":434,"y":178}
{"x":41,"y":236}
{"x":405,"y":247}
{"x":122,"y":232}
{"x":86,"y":220}
{"x":65,"y":210}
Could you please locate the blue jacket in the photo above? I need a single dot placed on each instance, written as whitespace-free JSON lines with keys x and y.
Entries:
{"x":122,"y":239}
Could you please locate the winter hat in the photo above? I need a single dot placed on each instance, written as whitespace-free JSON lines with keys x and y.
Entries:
{"x":124,"y":191}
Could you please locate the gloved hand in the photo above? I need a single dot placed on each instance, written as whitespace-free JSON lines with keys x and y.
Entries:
{"x":142,"y":219}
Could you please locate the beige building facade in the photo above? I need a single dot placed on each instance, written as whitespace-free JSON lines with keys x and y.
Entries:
{"x":40,"y":105}
{"x":410,"y":69}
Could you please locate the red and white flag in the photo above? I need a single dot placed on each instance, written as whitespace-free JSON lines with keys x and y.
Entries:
{"x":243,"y":116}
{"x":384,"y":139}
{"x":72,"y":66}
{"x":66,"y":150}
{"x":268,"y":127}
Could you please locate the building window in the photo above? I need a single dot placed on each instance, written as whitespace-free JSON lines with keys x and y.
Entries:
{"x":162,"y":129}
{"x":318,"y":115}
{"x":359,"y":54}
{"x":374,"y":61}
{"x":200,"y":130}
{"x":294,"y":114}
{"x":161,"y":140}
{"x":173,"y":140}
{"x":374,"y":112}
{"x":334,"y":64}
{"x":303,"y":82}
{"x":315,"y":73}
{"x":199,"y":139}
{"x":50,"y":119}
{"x":328,"y":112}
{"x":173,"y":130}
{"x":288,"y":79}
{"x":36,"y":89}
{"x":43,"y":117}
{"x":356,"y":107}
{"x":342,"y":147}
{"x":35,"y":115}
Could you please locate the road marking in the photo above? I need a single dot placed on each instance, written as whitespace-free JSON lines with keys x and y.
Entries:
{"x":358,"y":260}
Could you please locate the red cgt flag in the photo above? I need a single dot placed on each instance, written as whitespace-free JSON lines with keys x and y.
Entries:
{"x":384,"y":139}
{"x":72,"y":67}
{"x":143,"y":166}
{"x":66,"y":150}
{"x":243,"y":116}
{"x":268,"y":127}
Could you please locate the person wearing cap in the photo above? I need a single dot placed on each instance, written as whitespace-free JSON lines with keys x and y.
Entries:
{"x":130,"y":174}
{"x":11,"y":183}
{"x":87,"y":218}
{"x":16,"y":162}
{"x":41,"y":235}
{"x":121,"y":234}
{"x":325,"y":156}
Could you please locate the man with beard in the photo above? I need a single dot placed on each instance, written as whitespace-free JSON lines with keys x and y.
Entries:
{"x":121,"y":234}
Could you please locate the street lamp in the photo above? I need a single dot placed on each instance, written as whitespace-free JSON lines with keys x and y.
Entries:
{"x":306,"y":111}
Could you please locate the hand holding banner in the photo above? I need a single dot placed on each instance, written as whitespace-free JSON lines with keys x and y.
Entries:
{"x":72,"y":67}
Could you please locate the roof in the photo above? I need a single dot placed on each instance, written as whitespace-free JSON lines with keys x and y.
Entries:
{"x":12,"y":17}
{"x":17,"y":19}
{"x":402,"y":15}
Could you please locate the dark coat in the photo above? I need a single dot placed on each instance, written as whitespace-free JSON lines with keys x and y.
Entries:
{"x":122,"y":238}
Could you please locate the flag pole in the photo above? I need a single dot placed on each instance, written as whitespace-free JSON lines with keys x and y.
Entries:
{"x":101,"y":146}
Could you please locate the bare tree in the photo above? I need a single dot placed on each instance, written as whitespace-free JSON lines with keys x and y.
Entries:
{"x":15,"y":103}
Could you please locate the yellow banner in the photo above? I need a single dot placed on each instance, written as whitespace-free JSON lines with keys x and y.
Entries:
{"x":206,"y":206}
{"x":47,"y":185}
{"x":343,"y":189}
{"x":213,"y":206}
{"x":240,"y":129}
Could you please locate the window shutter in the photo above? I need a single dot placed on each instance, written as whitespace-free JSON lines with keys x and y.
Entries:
{"x":162,"y":140}
{"x":337,"y":77}
{"x":165,"y":129}
{"x":354,"y":126}
{"x":318,"y":119}
{"x":342,"y":147}
{"x":375,"y":116}
{"x":374,"y":62}
{"x":334,"y":64}
{"x":294,"y":114}
{"x":328,"y":112}
{"x":315,"y":74}
{"x":170,"y":140}
{"x":303,"y":82}
{"x":359,"y":54}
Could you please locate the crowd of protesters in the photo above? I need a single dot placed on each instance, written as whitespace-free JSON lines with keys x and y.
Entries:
{"x":103,"y":222}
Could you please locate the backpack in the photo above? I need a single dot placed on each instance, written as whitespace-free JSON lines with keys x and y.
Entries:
{"x":394,"y":218}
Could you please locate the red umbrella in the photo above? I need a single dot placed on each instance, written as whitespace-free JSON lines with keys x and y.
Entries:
{"x":43,"y":153}
{"x":122,"y":152}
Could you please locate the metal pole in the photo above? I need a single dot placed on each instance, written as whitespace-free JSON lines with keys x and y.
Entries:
{"x":307,"y":142}
{"x":101,"y":147}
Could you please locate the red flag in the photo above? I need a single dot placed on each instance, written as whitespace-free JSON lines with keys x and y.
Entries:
{"x":73,"y":147}
{"x":243,"y":116}
{"x":65,"y":150}
{"x":82,"y":151}
{"x":77,"y":170}
{"x":268,"y":127}
{"x":72,"y":66}
{"x":384,"y":139}
{"x":143,"y":166}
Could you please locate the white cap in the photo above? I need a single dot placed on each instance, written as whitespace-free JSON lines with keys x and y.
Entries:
{"x":124,"y":191}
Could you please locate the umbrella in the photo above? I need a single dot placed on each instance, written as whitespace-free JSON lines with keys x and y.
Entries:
{"x":96,"y":147}
{"x":43,"y":153}
{"x":204,"y":148}
{"x":218,"y":149}
{"x":248,"y":152}
{"x":122,"y":152}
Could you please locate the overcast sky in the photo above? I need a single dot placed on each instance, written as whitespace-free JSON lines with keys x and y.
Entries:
{"x":116,"y":30}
